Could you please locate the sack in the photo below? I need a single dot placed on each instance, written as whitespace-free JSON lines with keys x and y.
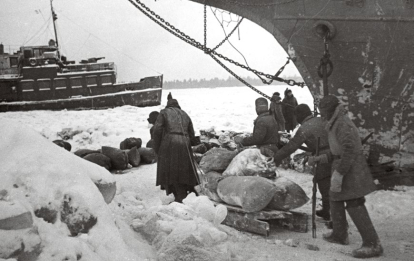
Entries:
{"x":148,"y":155}
{"x":129,"y":143}
{"x":83,"y":152}
{"x":250,"y":162}
{"x":150,"y":144}
{"x":216,"y":159}
{"x":134,"y":158}
{"x":250,"y":193}
{"x":288,"y":195}
{"x":210,"y":183}
{"x":119,"y":158}
{"x":99,"y":159}
{"x":63,"y":144}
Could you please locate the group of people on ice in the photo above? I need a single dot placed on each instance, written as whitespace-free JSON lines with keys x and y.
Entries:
{"x":342,"y":173}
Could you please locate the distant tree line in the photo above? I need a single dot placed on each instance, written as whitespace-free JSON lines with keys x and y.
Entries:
{"x":216,"y":82}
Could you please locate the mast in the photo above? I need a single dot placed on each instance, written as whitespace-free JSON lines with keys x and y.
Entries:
{"x":54,"y":18}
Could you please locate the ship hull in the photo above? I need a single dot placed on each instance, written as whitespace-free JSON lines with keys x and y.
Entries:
{"x":372,"y":52}
{"x":139,"y":98}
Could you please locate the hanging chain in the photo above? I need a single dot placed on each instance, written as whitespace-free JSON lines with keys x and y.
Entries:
{"x":239,"y":78}
{"x":176,"y":32}
{"x":325,"y":67}
{"x":205,"y":26}
{"x":227,"y":37}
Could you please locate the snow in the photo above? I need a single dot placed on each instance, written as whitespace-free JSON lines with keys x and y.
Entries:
{"x":47,"y":172}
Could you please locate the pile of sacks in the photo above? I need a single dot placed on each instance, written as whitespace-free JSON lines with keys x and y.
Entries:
{"x":247,"y":179}
{"x":130,"y":154}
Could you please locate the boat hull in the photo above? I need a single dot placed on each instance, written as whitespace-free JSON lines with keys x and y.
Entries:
{"x":139,"y":98}
{"x":372,"y":51}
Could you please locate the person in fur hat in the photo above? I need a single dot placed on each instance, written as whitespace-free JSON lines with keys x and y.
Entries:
{"x":173,"y":137}
{"x":289,"y":103}
{"x":311,"y":128}
{"x":265,"y":132}
{"x":351,"y":180}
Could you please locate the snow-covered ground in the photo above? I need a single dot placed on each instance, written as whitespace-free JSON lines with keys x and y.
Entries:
{"x":137,"y":198}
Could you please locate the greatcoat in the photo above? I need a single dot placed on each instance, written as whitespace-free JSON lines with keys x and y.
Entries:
{"x":349,"y":161}
{"x":173,"y":136}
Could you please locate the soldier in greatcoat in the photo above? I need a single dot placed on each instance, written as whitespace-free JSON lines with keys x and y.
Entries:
{"x":351,"y":180}
{"x":289,"y":103}
{"x":173,"y":137}
{"x":265,"y":132}
{"x":311,"y":128}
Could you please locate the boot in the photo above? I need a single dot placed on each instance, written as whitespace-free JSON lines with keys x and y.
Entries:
{"x":371,"y":245}
{"x":324,"y":213}
{"x":339,"y":234}
{"x":324,"y":186}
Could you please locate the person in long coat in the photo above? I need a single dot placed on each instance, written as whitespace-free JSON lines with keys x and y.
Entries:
{"x":311,"y":128}
{"x":289,"y":103}
{"x":173,"y":137}
{"x":276,"y":110}
{"x":265,"y":132}
{"x":351,"y":180}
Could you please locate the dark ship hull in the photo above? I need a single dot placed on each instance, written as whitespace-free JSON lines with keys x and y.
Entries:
{"x":372,"y":52}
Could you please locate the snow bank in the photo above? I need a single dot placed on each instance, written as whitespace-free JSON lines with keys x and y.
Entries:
{"x":37,"y":173}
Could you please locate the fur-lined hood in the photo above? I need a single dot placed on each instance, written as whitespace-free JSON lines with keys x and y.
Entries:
{"x":339,"y":111}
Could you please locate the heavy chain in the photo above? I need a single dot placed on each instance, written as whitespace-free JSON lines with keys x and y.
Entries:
{"x":239,"y":78}
{"x":260,"y":4}
{"x":325,"y":67}
{"x":170,"y":28}
{"x":205,"y":26}
{"x":227,"y":37}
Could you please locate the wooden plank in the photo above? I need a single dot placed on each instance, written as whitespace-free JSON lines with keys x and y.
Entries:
{"x":247,"y":223}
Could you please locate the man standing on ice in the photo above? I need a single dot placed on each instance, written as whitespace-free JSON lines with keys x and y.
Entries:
{"x":351,"y":180}
{"x":289,"y":103}
{"x":311,"y":128}
{"x":173,"y":137}
{"x":265,"y":133}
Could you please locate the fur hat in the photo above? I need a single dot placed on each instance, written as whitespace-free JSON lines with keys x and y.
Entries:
{"x":302,"y":111}
{"x":152,"y":118}
{"x":329,"y":102}
{"x":262,"y":105}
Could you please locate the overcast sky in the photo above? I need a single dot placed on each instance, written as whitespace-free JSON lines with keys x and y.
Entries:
{"x":118,"y":31}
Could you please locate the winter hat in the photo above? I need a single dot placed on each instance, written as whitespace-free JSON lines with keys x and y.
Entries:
{"x":262,"y":105}
{"x":173,"y":103}
{"x":329,"y":102}
{"x":153,"y":117}
{"x":276,"y":97}
{"x":169,"y":97}
{"x":287,"y":91}
{"x":302,"y":111}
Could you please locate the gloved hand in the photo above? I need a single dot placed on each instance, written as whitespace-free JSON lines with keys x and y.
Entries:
{"x":336,"y":181}
{"x":321,"y":158}
{"x":238,"y":140}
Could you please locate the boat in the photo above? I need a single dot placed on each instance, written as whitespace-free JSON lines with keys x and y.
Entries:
{"x":39,"y":78}
{"x":360,"y":51}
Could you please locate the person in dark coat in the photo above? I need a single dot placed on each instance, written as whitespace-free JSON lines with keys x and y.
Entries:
{"x":351,"y":180}
{"x":265,"y":133}
{"x":289,"y":103}
{"x":311,"y":128}
{"x":276,"y":110}
{"x":152,"y":118}
{"x":173,"y":138}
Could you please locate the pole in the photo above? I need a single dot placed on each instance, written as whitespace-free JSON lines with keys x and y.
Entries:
{"x":314,"y":192}
{"x":54,"y":27}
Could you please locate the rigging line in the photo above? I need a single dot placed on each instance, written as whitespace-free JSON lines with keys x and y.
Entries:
{"x":82,"y":45}
{"x":227,"y":36}
{"x":111,"y":45}
{"x":228,"y":40}
{"x":41,"y":28}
